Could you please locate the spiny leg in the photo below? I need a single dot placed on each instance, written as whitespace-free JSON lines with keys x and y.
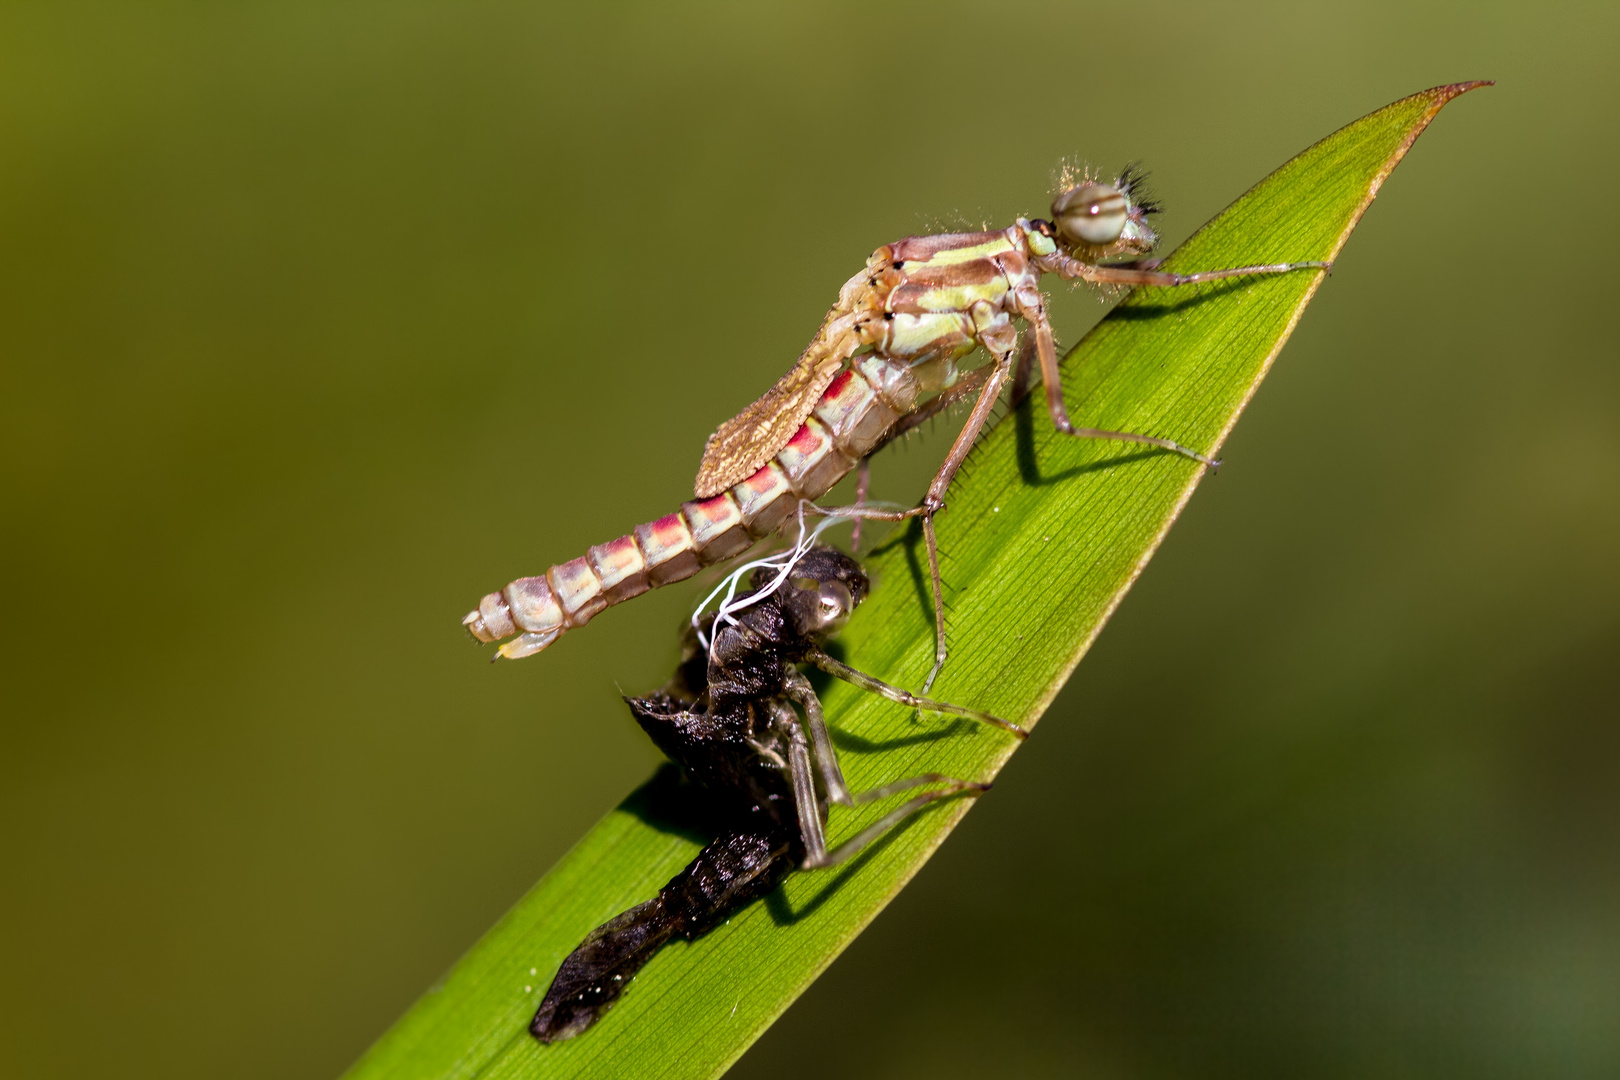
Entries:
{"x":941,"y":651}
{"x":862,"y":798}
{"x":1046,"y":349}
{"x":863,"y":480}
{"x":965,"y":387}
{"x":1139,"y":274}
{"x":968,"y":385}
{"x":892,"y":818}
{"x":811,"y":832}
{"x":874,"y":685}
{"x":816,"y":854}
{"x":1129,"y":275}
{"x":934,"y":501}
{"x":800,"y":691}
{"x":813,"y":835}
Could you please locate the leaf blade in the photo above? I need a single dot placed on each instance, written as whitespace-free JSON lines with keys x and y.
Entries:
{"x":1078,"y":519}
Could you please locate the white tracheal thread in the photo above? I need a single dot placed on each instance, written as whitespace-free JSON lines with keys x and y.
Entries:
{"x":783,"y":561}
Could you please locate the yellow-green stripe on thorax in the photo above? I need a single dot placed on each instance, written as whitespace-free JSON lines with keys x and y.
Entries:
{"x":952,"y":287}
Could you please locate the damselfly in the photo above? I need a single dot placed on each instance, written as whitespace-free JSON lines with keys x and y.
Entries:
{"x":888,"y":354}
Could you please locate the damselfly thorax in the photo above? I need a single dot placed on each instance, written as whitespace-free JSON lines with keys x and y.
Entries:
{"x":897,"y":335}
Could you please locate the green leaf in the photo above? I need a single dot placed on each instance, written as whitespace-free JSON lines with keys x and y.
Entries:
{"x":1042,"y":538}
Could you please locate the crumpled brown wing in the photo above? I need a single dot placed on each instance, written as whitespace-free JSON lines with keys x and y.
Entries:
{"x":752,"y":437}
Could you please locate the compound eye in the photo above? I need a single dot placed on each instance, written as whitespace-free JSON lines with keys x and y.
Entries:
{"x":1091,"y":213}
{"x":833,"y":605}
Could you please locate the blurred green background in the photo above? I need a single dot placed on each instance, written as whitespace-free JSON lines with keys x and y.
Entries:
{"x":317,"y":321}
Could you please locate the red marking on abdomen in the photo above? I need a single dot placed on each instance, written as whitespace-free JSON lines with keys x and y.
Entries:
{"x":804,"y":440}
{"x":839,"y":384}
{"x":669,"y":529}
{"x":762,"y":481}
{"x":719,"y":506}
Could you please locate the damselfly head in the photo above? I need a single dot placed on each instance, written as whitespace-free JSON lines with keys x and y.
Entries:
{"x":1092,"y":214}
{"x":1102,"y":220}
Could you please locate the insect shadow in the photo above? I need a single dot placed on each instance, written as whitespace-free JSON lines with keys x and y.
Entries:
{"x":908,"y":540}
{"x":675,"y":806}
{"x":1163,"y":304}
{"x":1029,"y":466}
{"x":781,"y":909}
{"x":821,"y":681}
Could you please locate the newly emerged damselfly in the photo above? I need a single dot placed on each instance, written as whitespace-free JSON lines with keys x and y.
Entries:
{"x":897,"y":335}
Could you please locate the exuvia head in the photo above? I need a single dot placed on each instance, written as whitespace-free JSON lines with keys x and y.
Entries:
{"x":825,"y":589}
{"x":1094,"y":220}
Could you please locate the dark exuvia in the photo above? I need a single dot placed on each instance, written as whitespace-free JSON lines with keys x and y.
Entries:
{"x":731,"y":719}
